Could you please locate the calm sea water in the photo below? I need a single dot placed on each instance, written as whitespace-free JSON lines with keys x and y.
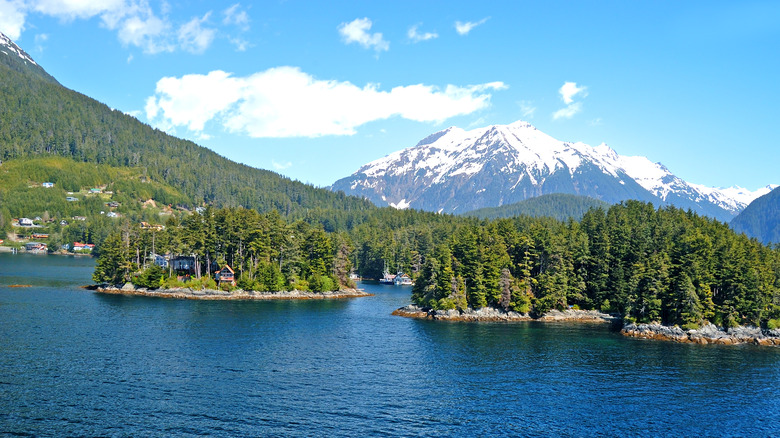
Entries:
{"x":73,"y":362}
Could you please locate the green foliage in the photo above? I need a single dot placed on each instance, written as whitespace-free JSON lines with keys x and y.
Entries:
{"x":773,"y":324}
{"x":152,"y":277}
{"x":560,"y":206}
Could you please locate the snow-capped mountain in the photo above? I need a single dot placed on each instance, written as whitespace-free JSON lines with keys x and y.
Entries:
{"x":14,"y":57}
{"x":7,"y":46}
{"x":455,"y":171}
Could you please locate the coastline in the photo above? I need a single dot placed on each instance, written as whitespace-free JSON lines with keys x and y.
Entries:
{"x":488,"y":314}
{"x":211,"y":294}
{"x":708,"y":334}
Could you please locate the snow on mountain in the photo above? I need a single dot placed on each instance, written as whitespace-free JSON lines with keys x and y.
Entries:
{"x":455,"y":170}
{"x":6,"y":46}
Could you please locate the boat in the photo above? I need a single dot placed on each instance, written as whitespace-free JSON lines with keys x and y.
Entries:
{"x":387,"y":278}
{"x":402,"y":279}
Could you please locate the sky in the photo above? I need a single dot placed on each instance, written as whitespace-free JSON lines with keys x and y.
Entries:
{"x":313,"y":90}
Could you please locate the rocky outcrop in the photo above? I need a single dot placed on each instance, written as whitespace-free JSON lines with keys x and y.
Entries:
{"x":492,"y":314}
{"x":708,"y":334}
{"x":211,"y":294}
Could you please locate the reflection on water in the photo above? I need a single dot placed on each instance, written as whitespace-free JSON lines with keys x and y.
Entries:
{"x":78,"y":363}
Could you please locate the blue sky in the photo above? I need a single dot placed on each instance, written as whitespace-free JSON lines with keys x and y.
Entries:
{"x":313,"y":89}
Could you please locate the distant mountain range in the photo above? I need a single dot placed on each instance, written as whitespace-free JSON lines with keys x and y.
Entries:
{"x":454,"y":171}
{"x":761,"y":219}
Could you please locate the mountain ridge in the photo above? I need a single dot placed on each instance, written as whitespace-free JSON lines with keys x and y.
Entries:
{"x":40,"y":117}
{"x":454,"y":170}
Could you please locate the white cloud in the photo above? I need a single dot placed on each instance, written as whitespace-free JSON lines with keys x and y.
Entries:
{"x":417,"y":37}
{"x":527,"y":110}
{"x":135,"y":22}
{"x":286,"y":102}
{"x":281,"y":166}
{"x":356,"y":31}
{"x":194,"y":37}
{"x":569,"y":90}
{"x":147,"y":31}
{"x":463,"y":28}
{"x":568,"y":112}
{"x":12,"y":15}
{"x":235,"y":16}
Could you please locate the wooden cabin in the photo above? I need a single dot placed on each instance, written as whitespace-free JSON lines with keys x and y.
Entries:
{"x":226,"y":275}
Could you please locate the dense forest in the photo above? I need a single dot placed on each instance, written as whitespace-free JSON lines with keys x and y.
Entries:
{"x":646,"y":264}
{"x":561,"y":206}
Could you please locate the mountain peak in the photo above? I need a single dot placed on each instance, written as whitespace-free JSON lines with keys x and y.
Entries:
{"x":455,"y":170}
{"x":6,"y":46}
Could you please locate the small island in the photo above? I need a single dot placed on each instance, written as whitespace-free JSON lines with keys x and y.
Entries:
{"x":226,"y":254}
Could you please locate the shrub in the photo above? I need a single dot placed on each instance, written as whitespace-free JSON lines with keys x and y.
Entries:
{"x":446,"y":303}
{"x":690,"y":326}
{"x":773,"y":324}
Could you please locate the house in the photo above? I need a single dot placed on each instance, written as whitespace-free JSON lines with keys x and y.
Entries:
{"x":79,"y":218}
{"x":183,"y":264}
{"x":35,"y":247}
{"x":112,"y":214}
{"x":25,"y":222}
{"x":112,"y":204}
{"x":148,"y":226}
{"x":226,"y":275}
{"x":71,"y":199}
{"x":63,"y":222}
{"x":40,"y":236}
{"x":94,"y":191}
{"x":78,"y":246}
{"x":48,"y":185}
{"x":159,"y":260}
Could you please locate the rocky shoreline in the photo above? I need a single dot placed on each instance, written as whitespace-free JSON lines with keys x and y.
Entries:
{"x":211,"y":294}
{"x":709,"y":334}
{"x":490,"y":314}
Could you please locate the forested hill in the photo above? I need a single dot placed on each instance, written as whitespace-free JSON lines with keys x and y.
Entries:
{"x":560,"y":206}
{"x":39,"y":117}
{"x":761,"y":219}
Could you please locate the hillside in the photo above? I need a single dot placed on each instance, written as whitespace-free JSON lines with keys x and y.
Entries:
{"x":761,"y":219}
{"x":40,"y":118}
{"x":560,"y":206}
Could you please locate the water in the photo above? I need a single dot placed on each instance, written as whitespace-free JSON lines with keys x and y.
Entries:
{"x":73,"y":362}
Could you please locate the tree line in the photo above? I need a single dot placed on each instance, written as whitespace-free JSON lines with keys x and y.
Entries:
{"x":666,"y":265}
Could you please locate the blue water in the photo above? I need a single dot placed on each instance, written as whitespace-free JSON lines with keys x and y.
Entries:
{"x":73,"y":362}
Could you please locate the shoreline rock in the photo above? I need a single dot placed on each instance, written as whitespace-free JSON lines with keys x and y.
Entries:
{"x":211,"y":294}
{"x":489,"y":314}
{"x":708,"y":334}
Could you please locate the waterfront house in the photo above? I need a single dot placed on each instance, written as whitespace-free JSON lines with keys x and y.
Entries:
{"x":48,"y":185}
{"x":159,"y":260}
{"x":35,"y":247}
{"x":183,"y":265}
{"x":25,"y":222}
{"x":78,"y":246}
{"x":226,"y":275}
